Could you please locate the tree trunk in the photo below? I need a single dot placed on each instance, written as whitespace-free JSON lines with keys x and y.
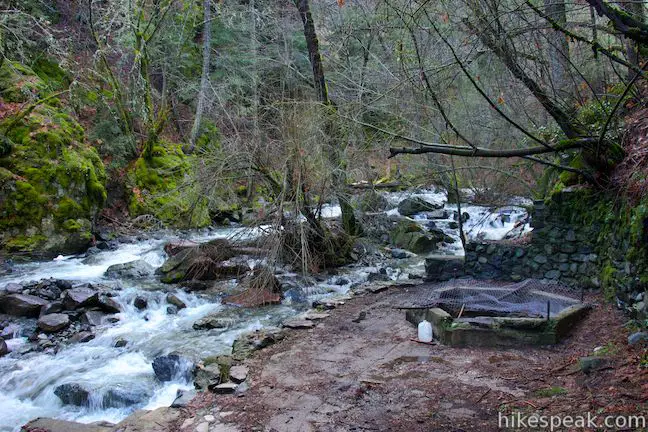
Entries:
{"x":351,"y":225}
{"x":632,"y":26}
{"x":256,"y":131}
{"x":558,"y":47}
{"x":204,"y":80}
{"x":312,"y":44}
{"x":636,"y":9}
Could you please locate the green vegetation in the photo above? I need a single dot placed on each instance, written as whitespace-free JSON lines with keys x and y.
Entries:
{"x":609,"y":349}
{"x":162,"y":186}
{"x":550,"y":391}
{"x":18,"y":83}
{"x":53,"y":183}
{"x":618,"y":227}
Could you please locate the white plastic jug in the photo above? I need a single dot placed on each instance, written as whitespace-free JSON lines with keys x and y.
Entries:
{"x":425,"y":331}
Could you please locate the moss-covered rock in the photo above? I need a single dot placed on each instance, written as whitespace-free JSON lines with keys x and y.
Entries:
{"x":413,"y":205}
{"x":161,"y":186}
{"x":18,"y":83}
{"x":51,"y":181}
{"x":409,"y":235}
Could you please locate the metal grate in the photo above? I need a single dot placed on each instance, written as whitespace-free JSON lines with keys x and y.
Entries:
{"x":529,"y":298}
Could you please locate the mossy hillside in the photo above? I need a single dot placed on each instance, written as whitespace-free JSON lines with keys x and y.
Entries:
{"x":161,"y":186}
{"x":54,"y":77}
{"x":51,"y":184}
{"x":18,"y":83}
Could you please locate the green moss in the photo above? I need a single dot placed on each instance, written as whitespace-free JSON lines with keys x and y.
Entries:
{"x":208,"y":137}
{"x":459,"y":325}
{"x":609,"y":349}
{"x":72,"y":225}
{"x":617,"y":231}
{"x":19,"y":83}
{"x":24,"y":243}
{"x":67,"y":209}
{"x":161,"y":186}
{"x":608,"y":281}
{"x":5,"y":145}
{"x":550,"y":391}
{"x":51,"y":73}
{"x":50,"y":173}
{"x":224,"y":365}
{"x":569,"y":178}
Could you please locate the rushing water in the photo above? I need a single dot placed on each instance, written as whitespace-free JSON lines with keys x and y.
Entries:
{"x":27,"y":382}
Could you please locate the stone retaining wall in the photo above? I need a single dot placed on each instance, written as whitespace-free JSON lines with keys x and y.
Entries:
{"x":576,"y":240}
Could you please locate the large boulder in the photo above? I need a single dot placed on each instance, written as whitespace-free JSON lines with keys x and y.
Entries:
{"x":52,"y":323}
{"x":78,"y":395}
{"x":183,"y":398}
{"x":238,"y":373}
{"x":72,"y":394}
{"x":80,"y":297}
{"x":410,"y":236}
{"x":120,"y":397}
{"x":413,"y":205}
{"x":224,"y":318}
{"x":171,"y":367}
{"x":109,"y":305}
{"x":140,"y":303}
{"x":176,"y":301}
{"x":138,"y":269}
{"x":51,"y":308}
{"x":207,"y":376}
{"x":213,"y":321}
{"x":22,"y":305}
{"x":47,"y":289}
{"x":93,"y":318}
{"x":13,"y":288}
{"x":207,"y":261}
{"x":10,"y":331}
{"x":160,"y":420}
{"x":53,"y":180}
{"x":158,"y":187}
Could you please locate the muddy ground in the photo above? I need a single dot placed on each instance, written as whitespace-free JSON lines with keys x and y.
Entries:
{"x":348,"y":374}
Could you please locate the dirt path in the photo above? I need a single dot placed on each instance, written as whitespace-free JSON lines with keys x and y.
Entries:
{"x":368,"y":375}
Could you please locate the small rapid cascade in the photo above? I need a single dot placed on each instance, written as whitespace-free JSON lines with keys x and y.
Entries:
{"x":118,"y":379}
{"x":103,"y":379}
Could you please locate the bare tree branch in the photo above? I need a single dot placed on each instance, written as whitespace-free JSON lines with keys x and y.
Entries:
{"x":622,"y":21}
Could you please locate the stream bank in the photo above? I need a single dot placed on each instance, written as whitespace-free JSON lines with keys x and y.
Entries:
{"x":359,"y":369}
{"x":108,"y":373}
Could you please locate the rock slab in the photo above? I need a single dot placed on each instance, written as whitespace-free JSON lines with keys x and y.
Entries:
{"x":22,"y":305}
{"x":52,"y":323}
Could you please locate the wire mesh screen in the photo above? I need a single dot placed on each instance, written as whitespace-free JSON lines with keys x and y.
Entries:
{"x":469,"y":297}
